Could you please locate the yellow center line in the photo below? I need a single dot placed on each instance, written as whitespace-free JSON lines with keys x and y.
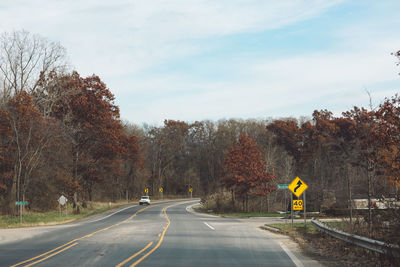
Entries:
{"x":134,"y":255}
{"x":76,"y":239}
{"x":51,"y":255}
{"x":162,"y":235}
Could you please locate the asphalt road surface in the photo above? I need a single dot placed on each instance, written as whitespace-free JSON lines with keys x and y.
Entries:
{"x":162,"y":234}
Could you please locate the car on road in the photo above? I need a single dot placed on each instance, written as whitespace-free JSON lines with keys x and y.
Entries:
{"x":144,"y":200}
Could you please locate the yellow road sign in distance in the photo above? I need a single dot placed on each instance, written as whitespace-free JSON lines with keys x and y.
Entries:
{"x":190,"y":190}
{"x":146,"y":190}
{"x":297,"y":186}
{"x":297,"y":204}
{"x":161,"y":189}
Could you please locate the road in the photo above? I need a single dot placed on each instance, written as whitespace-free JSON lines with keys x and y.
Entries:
{"x":163,"y":234}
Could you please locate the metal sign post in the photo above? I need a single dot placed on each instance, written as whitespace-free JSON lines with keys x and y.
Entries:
{"x":20,"y":204}
{"x":191,"y":192}
{"x":284,"y":186}
{"x":161,"y":190}
{"x":297,"y":186}
{"x":286,"y":211}
{"x":305,"y":220}
{"x":291,"y":208}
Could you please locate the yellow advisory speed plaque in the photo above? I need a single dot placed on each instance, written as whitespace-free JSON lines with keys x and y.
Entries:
{"x":297,"y":186}
{"x":297,"y":204}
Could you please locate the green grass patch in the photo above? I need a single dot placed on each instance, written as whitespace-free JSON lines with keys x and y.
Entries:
{"x":251,"y":214}
{"x":53,"y":217}
{"x":297,"y":227}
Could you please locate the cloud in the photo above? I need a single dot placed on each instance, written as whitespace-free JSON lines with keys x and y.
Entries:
{"x":130,"y":44}
{"x":294,"y":85}
{"x":119,"y":37}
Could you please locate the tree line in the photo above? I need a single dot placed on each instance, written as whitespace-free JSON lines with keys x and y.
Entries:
{"x":61,"y":133}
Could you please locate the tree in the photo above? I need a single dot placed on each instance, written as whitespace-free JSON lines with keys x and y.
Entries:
{"x":389,"y":125}
{"x":24,"y":58}
{"x":246,"y":170}
{"x":7,"y":151}
{"x":91,"y":120}
{"x":30,"y":134}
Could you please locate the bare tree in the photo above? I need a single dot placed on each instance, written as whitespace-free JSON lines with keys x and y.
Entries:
{"x":24,"y":59}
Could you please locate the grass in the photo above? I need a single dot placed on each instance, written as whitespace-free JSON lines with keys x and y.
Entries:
{"x":53,"y":217}
{"x":297,"y":227}
{"x":251,"y":214}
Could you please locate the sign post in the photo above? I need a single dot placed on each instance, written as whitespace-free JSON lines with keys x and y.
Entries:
{"x":286,"y":211}
{"x":297,"y":186}
{"x":61,"y":202}
{"x":291,"y":208}
{"x":305,"y":221}
{"x":284,"y":186}
{"x":20,"y":204}
{"x":146,"y":190}
{"x":191,"y":192}
{"x":161,"y":190}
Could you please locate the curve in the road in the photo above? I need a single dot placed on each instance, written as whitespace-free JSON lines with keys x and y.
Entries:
{"x":156,"y":246}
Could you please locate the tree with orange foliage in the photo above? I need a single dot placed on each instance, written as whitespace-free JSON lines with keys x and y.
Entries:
{"x":246,"y":170}
{"x":389,"y":127}
{"x":91,"y":120}
{"x":30,"y":135}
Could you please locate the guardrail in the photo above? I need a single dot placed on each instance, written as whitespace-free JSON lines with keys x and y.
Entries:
{"x":370,"y":244}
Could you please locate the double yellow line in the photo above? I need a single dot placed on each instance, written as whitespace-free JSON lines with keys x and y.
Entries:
{"x":70,"y":244}
{"x":149,"y":245}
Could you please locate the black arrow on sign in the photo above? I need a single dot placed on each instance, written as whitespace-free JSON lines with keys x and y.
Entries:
{"x":299,"y":183}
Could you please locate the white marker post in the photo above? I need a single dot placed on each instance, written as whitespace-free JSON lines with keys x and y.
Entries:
{"x":62,"y":201}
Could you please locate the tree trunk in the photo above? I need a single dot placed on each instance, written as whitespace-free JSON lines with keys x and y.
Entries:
{"x":369,"y":204}
{"x":233,"y":200}
{"x":13,"y":194}
{"x":247,"y":202}
{"x":349,"y":185}
{"x":75,"y":175}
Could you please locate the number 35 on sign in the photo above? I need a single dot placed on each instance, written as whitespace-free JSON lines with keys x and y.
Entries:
{"x":297,"y":204}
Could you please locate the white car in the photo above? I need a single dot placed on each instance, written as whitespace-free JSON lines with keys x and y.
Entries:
{"x":144,"y":200}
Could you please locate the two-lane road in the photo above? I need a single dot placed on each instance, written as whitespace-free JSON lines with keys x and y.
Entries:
{"x":163,"y":234}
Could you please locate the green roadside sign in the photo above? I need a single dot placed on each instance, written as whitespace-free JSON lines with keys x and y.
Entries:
{"x":283,"y":186}
{"x":22,"y":203}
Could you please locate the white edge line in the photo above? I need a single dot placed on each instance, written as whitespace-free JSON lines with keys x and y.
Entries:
{"x":295,"y":260}
{"x":212,"y":228}
{"x":112,"y":214}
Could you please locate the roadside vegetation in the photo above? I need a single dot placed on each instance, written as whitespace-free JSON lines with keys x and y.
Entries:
{"x":331,"y":251}
{"x":55,"y":217}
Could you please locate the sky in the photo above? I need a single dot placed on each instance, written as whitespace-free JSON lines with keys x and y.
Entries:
{"x":195,"y":60}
